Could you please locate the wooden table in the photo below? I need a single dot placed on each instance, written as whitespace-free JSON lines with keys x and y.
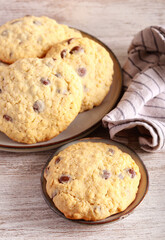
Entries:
{"x":23,"y":211}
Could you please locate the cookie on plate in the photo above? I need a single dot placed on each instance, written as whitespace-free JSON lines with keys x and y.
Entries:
{"x":92,"y":181}
{"x":39,"y":98}
{"x":92,"y":63}
{"x":31,"y":37}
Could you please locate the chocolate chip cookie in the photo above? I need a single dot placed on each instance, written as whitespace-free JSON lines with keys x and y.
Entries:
{"x":92,"y":63}
{"x":31,"y":37}
{"x":92,"y":181}
{"x":39,"y":98}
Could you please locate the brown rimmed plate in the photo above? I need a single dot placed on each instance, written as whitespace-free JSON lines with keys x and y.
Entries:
{"x":83,"y":124}
{"x":142,"y":190}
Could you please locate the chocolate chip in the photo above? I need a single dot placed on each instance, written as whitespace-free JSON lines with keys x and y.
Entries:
{"x":57,"y":160}
{"x":76,"y":49}
{"x":37,"y":22}
{"x":81,"y":71}
{"x":39,"y":106}
{"x":111,"y":151}
{"x":7,"y":118}
{"x":106,"y":174}
{"x":70,"y":40}
{"x":58,"y":75}
{"x":62,"y":91}
{"x":64,"y":179}
{"x":16,"y":21}
{"x":5,"y":33}
{"x":54,"y":59}
{"x":0,"y":90}
{"x":63,"y":53}
{"x":45,"y":81}
{"x":131,"y":172}
{"x":58,"y":90}
{"x":11,"y":54}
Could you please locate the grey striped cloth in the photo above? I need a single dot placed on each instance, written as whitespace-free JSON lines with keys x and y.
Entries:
{"x":143,"y":103}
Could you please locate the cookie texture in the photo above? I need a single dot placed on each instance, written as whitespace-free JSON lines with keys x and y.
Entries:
{"x":92,"y":181}
{"x":39,"y":98}
{"x":3,"y":64}
{"x":92,"y":63}
{"x":31,"y":37}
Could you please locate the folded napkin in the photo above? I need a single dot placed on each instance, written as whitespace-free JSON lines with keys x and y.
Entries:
{"x":143,"y":103}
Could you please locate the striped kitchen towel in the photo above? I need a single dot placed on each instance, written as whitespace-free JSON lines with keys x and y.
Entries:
{"x":143,"y":103}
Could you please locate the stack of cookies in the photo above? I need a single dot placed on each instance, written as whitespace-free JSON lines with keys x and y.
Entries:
{"x":48,"y":74}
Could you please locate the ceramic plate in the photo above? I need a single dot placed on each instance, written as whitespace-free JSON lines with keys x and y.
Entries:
{"x":83,"y":124}
{"x":142,"y":190}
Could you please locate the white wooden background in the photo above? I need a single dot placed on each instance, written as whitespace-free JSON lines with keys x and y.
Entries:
{"x":23,"y":211}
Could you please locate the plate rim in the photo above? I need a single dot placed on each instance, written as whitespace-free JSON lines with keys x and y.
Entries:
{"x":106,"y":220}
{"x":47,"y":146}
